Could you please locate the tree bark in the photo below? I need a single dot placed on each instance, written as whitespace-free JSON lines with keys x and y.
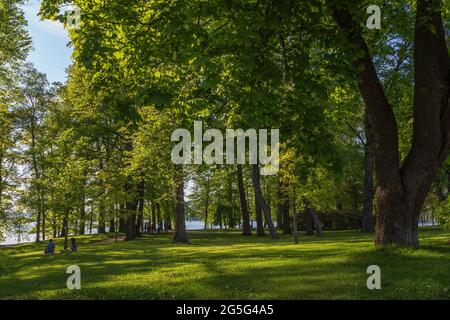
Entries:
{"x":261,"y":201}
{"x":82,"y":228}
{"x":259,"y":219}
{"x":131,"y":208}
{"x":112,"y":225}
{"x":158,"y":216}
{"x":153,"y":217}
{"x":367,"y":224}
{"x":246,"y":229}
{"x":283,"y":207}
{"x":140,"y":218}
{"x":43,"y":225}
{"x":180,"y":217}
{"x":65,"y":230}
{"x":294,"y":215}
{"x":308,"y":222}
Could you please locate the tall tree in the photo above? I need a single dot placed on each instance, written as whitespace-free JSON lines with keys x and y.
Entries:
{"x":402,"y":186}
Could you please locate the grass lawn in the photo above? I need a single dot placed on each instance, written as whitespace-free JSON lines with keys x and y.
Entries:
{"x":225,"y":265}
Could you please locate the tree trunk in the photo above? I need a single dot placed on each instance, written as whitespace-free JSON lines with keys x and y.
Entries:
{"x":38,"y":226}
{"x":101,"y":209}
{"x":131,"y":208}
{"x":261,"y":201}
{"x":131,"y":220}
{"x":112,"y":225}
{"x":294,"y":215}
{"x":140,"y":219}
{"x":207,"y":202}
{"x":122,"y":219}
{"x":65,"y":230}
{"x":180,"y":217}
{"x":82,"y":228}
{"x":316,"y":220}
{"x":367,"y":224}
{"x":397,"y":220}
{"x":43,"y":226}
{"x":101,"y":219}
{"x":246,"y":229}
{"x":153,"y":216}
{"x":308,"y":222}
{"x":259,"y":219}
{"x":279,"y":216}
{"x":158,"y":216}
{"x":283,"y":207}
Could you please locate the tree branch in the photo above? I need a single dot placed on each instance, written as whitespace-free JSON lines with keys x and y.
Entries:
{"x":358,"y":135}
{"x":372,"y":92}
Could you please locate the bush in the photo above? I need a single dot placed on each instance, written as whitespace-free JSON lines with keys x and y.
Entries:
{"x":335,"y":220}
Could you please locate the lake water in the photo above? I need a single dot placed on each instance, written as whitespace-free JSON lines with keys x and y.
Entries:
{"x":190,"y":225}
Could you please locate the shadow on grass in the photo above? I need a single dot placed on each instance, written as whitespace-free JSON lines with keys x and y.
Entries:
{"x":224,"y":265}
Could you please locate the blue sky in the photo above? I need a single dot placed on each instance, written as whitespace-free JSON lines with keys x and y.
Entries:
{"x":50,"y":53}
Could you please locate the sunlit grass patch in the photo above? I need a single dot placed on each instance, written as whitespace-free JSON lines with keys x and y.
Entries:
{"x":225,"y":265}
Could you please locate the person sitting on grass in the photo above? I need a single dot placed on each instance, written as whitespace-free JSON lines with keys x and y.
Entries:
{"x":50,"y":247}
{"x":73,"y":245}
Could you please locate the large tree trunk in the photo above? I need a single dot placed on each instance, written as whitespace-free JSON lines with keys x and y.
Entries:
{"x":261,"y":201}
{"x":131,"y":208}
{"x":402,"y":188}
{"x":131,"y":211}
{"x":246,"y":229}
{"x":367,"y":224}
{"x":259,"y":219}
{"x":180,"y":217}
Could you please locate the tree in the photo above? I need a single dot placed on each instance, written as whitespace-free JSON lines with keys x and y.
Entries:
{"x":35,"y":96}
{"x":14,"y":46}
{"x":403,"y":187}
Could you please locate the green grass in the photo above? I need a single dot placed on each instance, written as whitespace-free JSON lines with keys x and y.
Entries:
{"x":225,"y":265}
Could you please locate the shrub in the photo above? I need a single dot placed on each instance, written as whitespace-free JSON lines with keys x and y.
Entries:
{"x":335,"y":220}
